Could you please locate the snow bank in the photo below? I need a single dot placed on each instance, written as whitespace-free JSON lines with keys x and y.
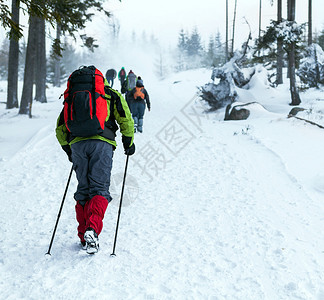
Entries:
{"x":222,"y":210}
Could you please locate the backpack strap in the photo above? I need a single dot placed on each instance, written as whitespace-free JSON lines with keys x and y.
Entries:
{"x":94,"y":106}
{"x":110,"y":125}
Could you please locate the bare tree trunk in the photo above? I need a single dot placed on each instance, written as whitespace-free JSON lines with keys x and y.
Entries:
{"x":295,"y":99}
{"x":289,"y":9}
{"x":260,"y":18}
{"x":40,"y":76}
{"x":232,"y":51}
{"x":226,"y":42}
{"x":289,"y":19}
{"x":317,"y":70}
{"x":12,"y":91}
{"x":27,"y":92}
{"x":310,"y":21}
{"x":280,"y":51}
{"x":57,"y":60}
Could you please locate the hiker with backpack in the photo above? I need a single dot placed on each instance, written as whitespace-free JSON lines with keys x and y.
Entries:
{"x":110,"y":76}
{"x":131,"y":80}
{"x":128,"y":85}
{"x":139,"y":98}
{"x":122,"y":76}
{"x":86,"y":130}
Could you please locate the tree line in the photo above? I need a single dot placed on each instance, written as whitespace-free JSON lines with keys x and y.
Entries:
{"x":273,"y":45}
{"x":282,"y":44}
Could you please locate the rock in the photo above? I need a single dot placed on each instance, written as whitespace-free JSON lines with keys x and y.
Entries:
{"x":238,"y":112}
{"x":295,"y":111}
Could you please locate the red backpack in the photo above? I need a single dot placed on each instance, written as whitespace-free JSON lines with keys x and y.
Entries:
{"x":85,"y":105}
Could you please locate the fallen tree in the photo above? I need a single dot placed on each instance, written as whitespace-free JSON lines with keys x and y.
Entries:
{"x":230,"y":76}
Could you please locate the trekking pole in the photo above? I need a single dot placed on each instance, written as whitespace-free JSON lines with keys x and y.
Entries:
{"x":120,"y":205}
{"x":59,"y":214}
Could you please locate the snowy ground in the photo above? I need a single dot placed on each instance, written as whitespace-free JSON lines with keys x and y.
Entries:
{"x":213,"y":209}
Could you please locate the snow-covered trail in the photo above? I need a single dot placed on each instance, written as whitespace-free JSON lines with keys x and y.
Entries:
{"x":209,"y":219}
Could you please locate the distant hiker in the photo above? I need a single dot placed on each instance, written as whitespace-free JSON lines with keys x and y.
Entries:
{"x":129,"y":84}
{"x":122,"y":76}
{"x":131,"y":80}
{"x":111,"y":75}
{"x":86,"y":130}
{"x":137,"y":98}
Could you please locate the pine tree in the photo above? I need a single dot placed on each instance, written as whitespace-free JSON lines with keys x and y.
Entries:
{"x":182,"y":41}
{"x":219,"y":50}
{"x":22,"y":58}
{"x":13,"y":63}
{"x":40,"y":72}
{"x":210,"y":55}
{"x":56,"y":59}
{"x":295,"y":99}
{"x":52,"y":71}
{"x":4,"y":55}
{"x":27,"y":93}
{"x":160,"y":65}
{"x":69,"y":61}
{"x":182,"y":51}
{"x":280,"y":53}
{"x":320,"y":39}
{"x":32,"y":7}
{"x":310,"y":23}
{"x":215,"y":54}
{"x":194,"y":47}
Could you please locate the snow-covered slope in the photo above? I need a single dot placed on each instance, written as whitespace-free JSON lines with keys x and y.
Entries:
{"x":213,"y":209}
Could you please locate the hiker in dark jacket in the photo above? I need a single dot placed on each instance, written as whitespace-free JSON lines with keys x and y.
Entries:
{"x":128,"y":85}
{"x":138,"y":98}
{"x":110,"y":76}
{"x":131,"y":80}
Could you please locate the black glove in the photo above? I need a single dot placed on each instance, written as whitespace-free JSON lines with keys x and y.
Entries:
{"x":68,"y":151}
{"x":129,"y":149}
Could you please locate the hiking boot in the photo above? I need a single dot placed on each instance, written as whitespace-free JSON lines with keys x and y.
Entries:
{"x":92,"y":240}
{"x":84,"y":245}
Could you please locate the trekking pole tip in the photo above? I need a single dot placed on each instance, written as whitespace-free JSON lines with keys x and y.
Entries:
{"x":113,"y":255}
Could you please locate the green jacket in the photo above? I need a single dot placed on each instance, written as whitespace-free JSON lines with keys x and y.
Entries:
{"x":121,"y":114}
{"x":119,"y":76}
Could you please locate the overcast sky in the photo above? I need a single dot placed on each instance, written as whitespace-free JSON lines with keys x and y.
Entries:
{"x":165,"y":18}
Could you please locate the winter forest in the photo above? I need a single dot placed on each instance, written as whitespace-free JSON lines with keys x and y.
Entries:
{"x":224,"y":194}
{"x":46,"y":53}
